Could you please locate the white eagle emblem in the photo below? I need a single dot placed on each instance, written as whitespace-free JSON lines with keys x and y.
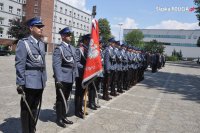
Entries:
{"x":93,"y":52}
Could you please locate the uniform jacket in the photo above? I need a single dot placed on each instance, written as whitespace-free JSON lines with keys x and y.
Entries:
{"x":34,"y":79}
{"x":81,"y":53}
{"x":107,"y":59}
{"x":65,"y":64}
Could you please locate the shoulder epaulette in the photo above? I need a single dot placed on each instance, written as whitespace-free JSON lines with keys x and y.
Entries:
{"x":23,"y":39}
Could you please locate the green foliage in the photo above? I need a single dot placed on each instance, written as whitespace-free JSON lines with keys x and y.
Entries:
{"x":172,"y":58}
{"x":198,"y":42}
{"x":197,"y":3}
{"x":18,"y":29}
{"x":154,"y":46}
{"x":134,"y":38}
{"x":104,"y":29}
{"x":179,"y":54}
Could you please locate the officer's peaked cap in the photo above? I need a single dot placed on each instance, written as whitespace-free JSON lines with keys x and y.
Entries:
{"x":123,"y":45}
{"x":112,"y":39}
{"x":36,"y":21}
{"x":86,"y":37}
{"x":65,"y":30}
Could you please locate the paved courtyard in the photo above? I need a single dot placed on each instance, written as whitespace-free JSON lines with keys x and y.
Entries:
{"x":164,"y":102}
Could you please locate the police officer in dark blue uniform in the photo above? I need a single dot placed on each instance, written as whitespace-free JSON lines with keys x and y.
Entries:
{"x":31,"y":74}
{"x":65,"y":72}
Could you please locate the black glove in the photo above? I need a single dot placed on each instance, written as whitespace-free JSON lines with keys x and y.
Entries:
{"x":20,"y":89}
{"x":59,"y":85}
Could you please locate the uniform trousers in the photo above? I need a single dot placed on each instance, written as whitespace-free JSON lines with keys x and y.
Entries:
{"x":79,"y":94}
{"x":33,"y":98}
{"x":60,"y":106}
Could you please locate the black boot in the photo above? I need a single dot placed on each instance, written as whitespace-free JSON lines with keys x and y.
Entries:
{"x":91,"y":99}
{"x":59,"y":110}
{"x":78,"y":106}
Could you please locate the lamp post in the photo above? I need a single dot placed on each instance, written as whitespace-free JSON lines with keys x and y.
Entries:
{"x":120,"y":24}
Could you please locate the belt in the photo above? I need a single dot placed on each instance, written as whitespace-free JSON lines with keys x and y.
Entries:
{"x":35,"y":68}
{"x":67,"y":66}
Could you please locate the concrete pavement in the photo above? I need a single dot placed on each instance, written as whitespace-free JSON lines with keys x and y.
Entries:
{"x":165,"y":102}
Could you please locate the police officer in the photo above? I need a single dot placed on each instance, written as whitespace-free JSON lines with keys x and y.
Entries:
{"x":31,"y":74}
{"x":109,"y":60}
{"x":79,"y":92}
{"x":65,"y":72}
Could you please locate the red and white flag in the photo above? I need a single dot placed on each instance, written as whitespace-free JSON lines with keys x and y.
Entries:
{"x":93,"y":62}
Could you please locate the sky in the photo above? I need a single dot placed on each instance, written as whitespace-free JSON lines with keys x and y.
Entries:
{"x":142,"y":14}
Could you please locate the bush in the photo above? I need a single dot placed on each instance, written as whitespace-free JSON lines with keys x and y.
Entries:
{"x":172,"y":58}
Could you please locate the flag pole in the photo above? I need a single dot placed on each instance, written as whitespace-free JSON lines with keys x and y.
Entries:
{"x":86,"y":88}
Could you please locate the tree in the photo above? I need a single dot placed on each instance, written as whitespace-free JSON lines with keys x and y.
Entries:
{"x":174,"y":52}
{"x":104,"y":29}
{"x":18,"y":29}
{"x":197,"y":3}
{"x":134,"y":38}
{"x":154,"y":46}
{"x":198,"y":42}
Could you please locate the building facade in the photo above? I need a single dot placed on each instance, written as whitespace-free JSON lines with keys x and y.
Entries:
{"x":55,"y":14}
{"x":9,"y":10}
{"x":180,"y":40}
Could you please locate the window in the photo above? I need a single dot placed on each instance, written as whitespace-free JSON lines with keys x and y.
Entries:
{"x":1,"y":33}
{"x":35,"y":10}
{"x":77,"y":25}
{"x":65,"y":21}
{"x":10,"y":9}
{"x":55,"y":17}
{"x":69,"y":22}
{"x":70,"y":13}
{"x":81,"y":17}
{"x":1,"y":21}
{"x":54,"y":29}
{"x":81,"y":26}
{"x":18,"y":11}
{"x":65,"y":11}
{"x":61,"y":9}
{"x":55,"y":7}
{"x":78,"y":16}
{"x":1,"y":6}
{"x":10,"y":22}
{"x":88,"y":20}
{"x":74,"y":14}
{"x":195,"y":37}
{"x":60,"y":20}
{"x":74,"y":24}
{"x":36,"y":3}
{"x":9,"y":36}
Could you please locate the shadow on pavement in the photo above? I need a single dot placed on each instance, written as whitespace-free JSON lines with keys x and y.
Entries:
{"x":11,"y":125}
{"x":47,"y":115}
{"x":186,"y":85}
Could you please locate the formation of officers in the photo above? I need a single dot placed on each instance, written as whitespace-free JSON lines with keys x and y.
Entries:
{"x":123,"y":67}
